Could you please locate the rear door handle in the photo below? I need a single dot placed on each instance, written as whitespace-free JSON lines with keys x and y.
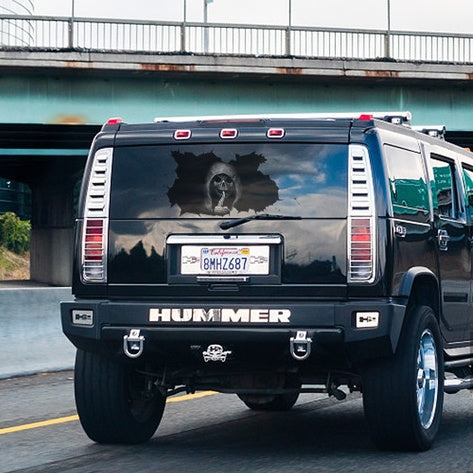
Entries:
{"x":443,"y":239}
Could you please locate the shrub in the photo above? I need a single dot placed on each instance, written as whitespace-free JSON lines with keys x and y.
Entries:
{"x":15,"y":233}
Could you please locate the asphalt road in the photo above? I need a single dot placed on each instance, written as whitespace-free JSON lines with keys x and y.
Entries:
{"x":217,"y":433}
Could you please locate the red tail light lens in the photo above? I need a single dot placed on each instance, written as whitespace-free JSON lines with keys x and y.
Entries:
{"x":361,"y":240}
{"x":94,"y":250}
{"x":361,"y":249}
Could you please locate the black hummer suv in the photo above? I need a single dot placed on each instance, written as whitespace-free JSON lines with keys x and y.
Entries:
{"x":269,"y":256}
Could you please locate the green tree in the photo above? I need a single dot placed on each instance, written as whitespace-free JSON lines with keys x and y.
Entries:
{"x":15,"y":233}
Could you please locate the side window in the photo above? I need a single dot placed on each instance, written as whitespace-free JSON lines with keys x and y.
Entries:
{"x":407,"y":181}
{"x":468,"y":180}
{"x":443,"y":188}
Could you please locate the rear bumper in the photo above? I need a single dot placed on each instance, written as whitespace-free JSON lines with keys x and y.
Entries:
{"x":102,"y":324}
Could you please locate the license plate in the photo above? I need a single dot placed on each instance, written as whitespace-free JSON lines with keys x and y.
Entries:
{"x":224,"y":260}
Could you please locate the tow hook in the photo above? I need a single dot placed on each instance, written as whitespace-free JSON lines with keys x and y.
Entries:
{"x":133,"y":343}
{"x":300,"y":345}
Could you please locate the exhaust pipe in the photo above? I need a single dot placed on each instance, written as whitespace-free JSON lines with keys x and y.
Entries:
{"x":452,"y":386}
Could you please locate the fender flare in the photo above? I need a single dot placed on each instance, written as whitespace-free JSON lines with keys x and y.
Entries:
{"x":405,"y":289}
{"x":408,"y":279}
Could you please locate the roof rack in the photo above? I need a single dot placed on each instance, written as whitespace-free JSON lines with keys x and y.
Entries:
{"x":400,"y":118}
{"x":437,"y":131}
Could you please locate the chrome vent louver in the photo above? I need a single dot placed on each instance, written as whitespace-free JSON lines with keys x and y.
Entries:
{"x":361,"y":236}
{"x":95,"y":226}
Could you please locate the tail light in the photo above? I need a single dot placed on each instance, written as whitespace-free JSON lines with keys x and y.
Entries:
{"x":94,"y":251}
{"x":95,"y":226}
{"x":361,"y":218}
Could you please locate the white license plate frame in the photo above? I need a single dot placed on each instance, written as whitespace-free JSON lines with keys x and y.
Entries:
{"x":225,"y":260}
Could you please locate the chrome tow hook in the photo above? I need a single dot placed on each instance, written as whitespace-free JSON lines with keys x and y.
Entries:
{"x":133,"y":343}
{"x":300,"y":345}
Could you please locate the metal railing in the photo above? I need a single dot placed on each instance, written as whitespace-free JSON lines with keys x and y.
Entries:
{"x":142,"y":36}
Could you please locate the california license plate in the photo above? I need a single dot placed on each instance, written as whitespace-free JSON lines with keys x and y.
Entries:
{"x":224,"y":260}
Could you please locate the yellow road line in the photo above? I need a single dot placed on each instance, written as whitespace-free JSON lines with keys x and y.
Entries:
{"x":188,"y":397}
{"x":63,"y":420}
{"x":35,"y":425}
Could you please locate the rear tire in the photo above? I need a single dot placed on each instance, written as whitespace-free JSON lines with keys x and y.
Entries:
{"x":403,"y":395}
{"x":112,"y":401}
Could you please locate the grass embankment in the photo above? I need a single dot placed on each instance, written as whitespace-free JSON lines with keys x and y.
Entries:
{"x":14,"y":267}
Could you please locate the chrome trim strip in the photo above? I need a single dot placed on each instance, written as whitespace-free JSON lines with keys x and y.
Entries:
{"x":224,"y":240}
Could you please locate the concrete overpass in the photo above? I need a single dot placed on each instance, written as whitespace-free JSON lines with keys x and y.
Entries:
{"x":53,"y":102}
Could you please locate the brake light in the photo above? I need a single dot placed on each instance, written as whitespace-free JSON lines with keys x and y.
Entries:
{"x":94,"y":250}
{"x":228,"y":133}
{"x":366,"y":116}
{"x":361,"y":218}
{"x":360,"y":239}
{"x":182,"y":134}
{"x":114,"y":121}
{"x":95,"y":226}
{"x":275,"y":133}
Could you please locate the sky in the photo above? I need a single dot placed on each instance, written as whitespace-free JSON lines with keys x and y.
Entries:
{"x":454,"y":16}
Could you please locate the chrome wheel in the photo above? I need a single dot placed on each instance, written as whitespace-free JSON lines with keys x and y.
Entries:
{"x":403,"y":395}
{"x":427,"y":379}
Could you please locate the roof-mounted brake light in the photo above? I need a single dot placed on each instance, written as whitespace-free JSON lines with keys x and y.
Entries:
{"x":182,"y":134}
{"x":114,"y":121}
{"x":397,"y":118}
{"x":228,"y":133}
{"x":275,"y":133}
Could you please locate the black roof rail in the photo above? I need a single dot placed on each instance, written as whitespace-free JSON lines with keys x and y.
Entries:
{"x":400,"y":118}
{"x":437,"y":131}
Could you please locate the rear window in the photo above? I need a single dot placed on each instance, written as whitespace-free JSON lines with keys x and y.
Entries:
{"x":220,"y":180}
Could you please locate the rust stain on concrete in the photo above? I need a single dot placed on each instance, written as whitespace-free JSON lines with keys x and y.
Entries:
{"x":80,"y":65}
{"x":289,"y":70}
{"x":382,"y":74}
{"x":69,"y":120}
{"x":167,"y":67}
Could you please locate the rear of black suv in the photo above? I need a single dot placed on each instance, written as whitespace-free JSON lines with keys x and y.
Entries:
{"x":243,"y":255}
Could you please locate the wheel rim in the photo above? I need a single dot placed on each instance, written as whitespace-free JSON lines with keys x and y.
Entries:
{"x":427,"y":379}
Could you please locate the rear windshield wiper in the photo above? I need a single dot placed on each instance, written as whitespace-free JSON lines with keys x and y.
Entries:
{"x":240,"y":221}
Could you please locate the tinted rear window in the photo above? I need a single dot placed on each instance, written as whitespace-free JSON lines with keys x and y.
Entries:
{"x":222,"y":180}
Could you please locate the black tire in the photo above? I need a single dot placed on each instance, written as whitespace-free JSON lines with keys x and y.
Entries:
{"x":110,"y":401}
{"x":403,"y":395}
{"x":277,"y":402}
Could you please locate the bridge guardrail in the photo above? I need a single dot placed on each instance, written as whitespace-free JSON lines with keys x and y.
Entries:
{"x":164,"y":37}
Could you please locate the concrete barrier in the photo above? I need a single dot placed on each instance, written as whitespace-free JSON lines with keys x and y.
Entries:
{"x":31,"y":337}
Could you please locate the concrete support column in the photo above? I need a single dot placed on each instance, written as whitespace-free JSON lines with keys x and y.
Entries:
{"x":52,"y":227}
{"x":51,"y":261}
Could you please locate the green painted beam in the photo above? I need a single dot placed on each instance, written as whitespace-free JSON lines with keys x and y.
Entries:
{"x":79,"y":98}
{"x":49,"y":152}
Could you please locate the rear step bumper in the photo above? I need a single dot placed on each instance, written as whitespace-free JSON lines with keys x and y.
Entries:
{"x":97,"y":322}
